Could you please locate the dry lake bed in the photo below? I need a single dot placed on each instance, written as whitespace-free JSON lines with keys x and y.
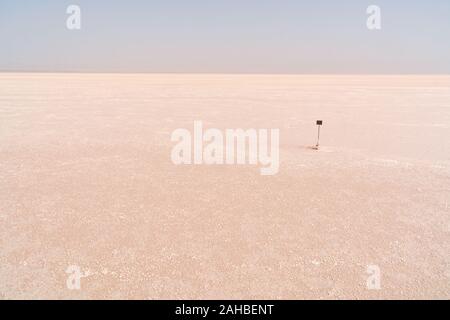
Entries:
{"x":89,"y":195}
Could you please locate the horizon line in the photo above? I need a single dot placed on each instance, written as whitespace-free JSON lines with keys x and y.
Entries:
{"x":222,"y":73}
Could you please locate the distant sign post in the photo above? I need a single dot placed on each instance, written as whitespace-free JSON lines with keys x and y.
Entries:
{"x":319,"y":124}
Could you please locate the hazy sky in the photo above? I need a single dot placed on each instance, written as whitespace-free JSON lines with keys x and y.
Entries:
{"x":231,"y":36}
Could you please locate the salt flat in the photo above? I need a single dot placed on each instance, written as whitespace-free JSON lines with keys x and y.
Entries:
{"x":86,"y":180}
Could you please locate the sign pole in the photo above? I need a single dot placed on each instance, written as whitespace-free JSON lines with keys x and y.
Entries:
{"x":319,"y":124}
{"x":318,"y":136}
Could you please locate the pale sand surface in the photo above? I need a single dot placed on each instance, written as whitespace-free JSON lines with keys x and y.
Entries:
{"x":86,"y":179}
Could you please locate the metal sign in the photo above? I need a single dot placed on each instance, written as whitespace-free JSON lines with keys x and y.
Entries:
{"x":319,"y":124}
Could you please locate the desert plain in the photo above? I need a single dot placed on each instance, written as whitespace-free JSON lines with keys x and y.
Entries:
{"x":86,"y":180}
